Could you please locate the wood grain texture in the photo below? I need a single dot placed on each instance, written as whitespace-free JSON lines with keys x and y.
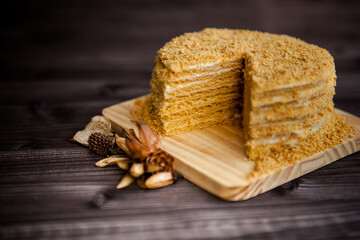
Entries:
{"x":214,"y":158}
{"x":62,"y":62}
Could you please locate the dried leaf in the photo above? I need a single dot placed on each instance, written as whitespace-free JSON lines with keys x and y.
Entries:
{"x":160,"y":179}
{"x":97,"y":124}
{"x":125,"y":181}
{"x":112,"y":160}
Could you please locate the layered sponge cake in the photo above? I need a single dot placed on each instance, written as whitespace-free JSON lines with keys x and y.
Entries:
{"x":279,"y":89}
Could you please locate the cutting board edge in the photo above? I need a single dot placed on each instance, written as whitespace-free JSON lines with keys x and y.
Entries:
{"x":274,"y":179}
{"x":267,"y":182}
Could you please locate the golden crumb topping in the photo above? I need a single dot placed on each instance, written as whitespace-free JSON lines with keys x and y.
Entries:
{"x":270,"y":59}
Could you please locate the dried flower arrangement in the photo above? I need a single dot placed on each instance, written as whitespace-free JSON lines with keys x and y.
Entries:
{"x":135,"y":150}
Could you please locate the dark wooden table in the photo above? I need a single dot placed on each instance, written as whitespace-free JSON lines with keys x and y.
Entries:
{"x":62,"y":62}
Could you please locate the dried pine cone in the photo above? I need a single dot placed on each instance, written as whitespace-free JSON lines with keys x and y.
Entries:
{"x":100,"y":143}
{"x":162,"y":159}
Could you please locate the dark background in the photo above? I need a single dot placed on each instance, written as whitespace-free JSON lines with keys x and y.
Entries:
{"x":62,"y":62}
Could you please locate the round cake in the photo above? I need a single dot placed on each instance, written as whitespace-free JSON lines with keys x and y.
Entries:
{"x":278,"y":88}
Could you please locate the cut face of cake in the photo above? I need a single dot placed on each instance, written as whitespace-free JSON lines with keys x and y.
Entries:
{"x":279,"y":89}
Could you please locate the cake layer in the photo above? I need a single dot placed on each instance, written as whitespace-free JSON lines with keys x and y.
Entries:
{"x":267,"y":130}
{"x":290,"y":89}
{"x":186,"y":105}
{"x":194,"y":79}
{"x":270,"y":97}
{"x":164,"y":74}
{"x":207,"y":95}
{"x":185,"y":127}
{"x":202,"y":117}
{"x":199,"y":89}
{"x":284,"y":112}
{"x":289,"y":96}
{"x":290,"y":111}
{"x":162,"y":85}
{"x":290,"y":138}
{"x":230,"y":79}
{"x":201,"y":110}
{"x":269,"y":158}
{"x":278,"y":109}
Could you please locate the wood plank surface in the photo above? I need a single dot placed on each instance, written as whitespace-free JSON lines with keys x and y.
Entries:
{"x":62,"y":62}
{"x":215,"y":160}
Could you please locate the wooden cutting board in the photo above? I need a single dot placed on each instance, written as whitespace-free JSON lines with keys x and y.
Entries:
{"x":214,"y":158}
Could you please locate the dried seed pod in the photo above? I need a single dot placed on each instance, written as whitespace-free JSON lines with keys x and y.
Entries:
{"x":112,"y":160}
{"x":100,"y":143}
{"x":151,"y":168}
{"x":125,"y":181}
{"x":137,"y":170}
{"x":124,"y":165}
{"x":162,"y":159}
{"x":160,"y":179}
{"x":96,"y":124}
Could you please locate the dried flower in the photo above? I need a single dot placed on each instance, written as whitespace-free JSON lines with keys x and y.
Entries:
{"x":139,"y":142}
{"x":144,"y":158}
